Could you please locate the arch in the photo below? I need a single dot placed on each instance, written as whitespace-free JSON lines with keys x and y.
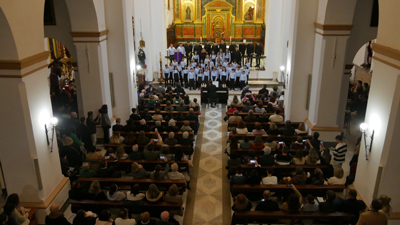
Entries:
{"x":86,"y":15}
{"x":336,"y":11}
{"x":7,"y":42}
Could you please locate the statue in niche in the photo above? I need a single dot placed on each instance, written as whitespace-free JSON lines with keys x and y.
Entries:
{"x":249,"y":14}
{"x":188,"y":11}
{"x":142,"y":57}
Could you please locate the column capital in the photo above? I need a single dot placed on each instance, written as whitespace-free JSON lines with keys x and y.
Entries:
{"x":23,"y":67}
{"x":333,"y":29}
{"x":89,"y":36}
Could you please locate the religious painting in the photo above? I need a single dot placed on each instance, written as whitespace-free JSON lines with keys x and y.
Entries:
{"x":249,"y":13}
{"x":188,"y":12}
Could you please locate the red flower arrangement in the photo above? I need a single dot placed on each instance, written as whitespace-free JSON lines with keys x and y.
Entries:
{"x":144,"y":66}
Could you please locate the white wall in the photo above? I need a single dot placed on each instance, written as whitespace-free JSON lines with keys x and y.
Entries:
{"x":360,"y":57}
{"x":169,"y":14}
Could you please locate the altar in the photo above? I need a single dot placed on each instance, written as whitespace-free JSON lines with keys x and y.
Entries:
{"x":216,"y":20}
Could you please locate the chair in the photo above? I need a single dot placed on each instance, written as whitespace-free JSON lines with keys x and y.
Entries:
{"x":213,"y":100}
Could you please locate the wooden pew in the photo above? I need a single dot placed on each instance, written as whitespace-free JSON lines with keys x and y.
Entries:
{"x":266,"y":217}
{"x":149,"y":165}
{"x":126,"y":183}
{"x":315,"y":190}
{"x":128,"y":148}
{"x":260,"y":152}
{"x":96,"y":206}
{"x":279,"y":170}
{"x":275,"y":137}
{"x":164,"y":135}
{"x":164,"y":123}
{"x":164,"y":113}
{"x":251,"y":125}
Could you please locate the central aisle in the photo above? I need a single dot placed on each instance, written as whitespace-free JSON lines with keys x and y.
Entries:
{"x":208,"y":203}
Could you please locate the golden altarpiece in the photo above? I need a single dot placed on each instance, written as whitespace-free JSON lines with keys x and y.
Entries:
{"x":201,"y":20}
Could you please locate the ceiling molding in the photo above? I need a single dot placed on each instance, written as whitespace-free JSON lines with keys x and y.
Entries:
{"x":333,"y":26}
{"x":386,"y":51}
{"x":23,"y":63}
{"x":89,"y":33}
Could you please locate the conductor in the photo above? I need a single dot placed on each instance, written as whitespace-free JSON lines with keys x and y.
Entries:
{"x":212,"y":93}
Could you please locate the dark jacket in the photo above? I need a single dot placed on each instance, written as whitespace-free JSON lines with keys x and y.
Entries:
{"x":266,"y":160}
{"x":192,"y":116}
{"x":136,"y":155}
{"x":84,"y":134}
{"x":77,"y":193}
{"x":118,"y":127}
{"x":353,"y":206}
{"x":267,"y":206}
{"x":287,"y":131}
{"x":212,"y":91}
{"x":56,"y":219}
{"x":91,"y":123}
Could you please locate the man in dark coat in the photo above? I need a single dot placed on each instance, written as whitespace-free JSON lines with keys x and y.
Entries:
{"x":259,"y":53}
{"x":198,"y":48}
{"x":193,"y":117}
{"x":222,"y":46}
{"x":250,"y":51}
{"x":236,"y":55}
{"x":207,"y":47}
{"x":56,"y":217}
{"x":84,"y":134}
{"x":215,"y":48}
{"x":91,"y":123}
{"x":212,"y":92}
{"x":188,"y":47}
{"x":232,"y":47}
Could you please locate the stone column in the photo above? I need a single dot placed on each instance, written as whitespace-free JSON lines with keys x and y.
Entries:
{"x":93,"y":80}
{"x":121,"y":56}
{"x":327,"y":75}
{"x":30,"y":168}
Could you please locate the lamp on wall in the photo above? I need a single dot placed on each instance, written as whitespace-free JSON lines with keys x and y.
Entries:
{"x":364,"y":130}
{"x":53,"y":124}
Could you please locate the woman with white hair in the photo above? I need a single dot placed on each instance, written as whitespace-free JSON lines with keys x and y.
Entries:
{"x":136,"y":154}
{"x":175,"y":174}
{"x":171,"y":139}
{"x":172,"y":126}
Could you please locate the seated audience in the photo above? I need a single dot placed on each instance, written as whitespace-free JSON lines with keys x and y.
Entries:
{"x":251,"y":117}
{"x":117,"y":126}
{"x":116,"y":138}
{"x":258,"y":143}
{"x":130,"y":139}
{"x":318,"y":177}
{"x":76,"y":192}
{"x":95,"y":192}
{"x":332,"y":203}
{"x":150,"y":153}
{"x":84,"y":218}
{"x":312,"y":158}
{"x":136,"y":154}
{"x":264,"y":118}
{"x":169,"y":107}
{"x":181,"y":107}
{"x":258,"y":129}
{"x":298,"y":144}
{"x":247,"y":107}
{"x":143,"y":126}
{"x":172,"y":126}
{"x":300,"y":177}
{"x":270,"y":179}
{"x":175,"y":174}
{"x":134,"y":116}
{"x":246,"y":143}
{"x":234,"y":160}
{"x":114,"y":195}
{"x":235,"y":117}
{"x":130,"y":126}
{"x":273,"y":129}
{"x":142,"y":139}
{"x":288,"y":130}
{"x":104,"y":218}
{"x":259,"y":108}
{"x":120,"y":153}
{"x":235,"y":100}
{"x":134,"y":194}
{"x":15,"y":212}
{"x":232,"y":108}
{"x":107,"y":171}
{"x":171,"y":140}
{"x":293,"y":203}
{"x":267,"y":204}
{"x":353,"y":206}
{"x":310,"y":206}
{"x":85,"y":171}
{"x":241,"y":203}
{"x":94,"y":158}
{"x":238,"y":178}
{"x":283,"y":158}
{"x":158,"y":174}
{"x":338,"y":178}
{"x":276,"y":118}
{"x":271,"y":143}
{"x":153,"y":194}
{"x":374,"y":216}
{"x":138,"y":172}
{"x":174,"y":197}
{"x":56,"y":217}
{"x":233,"y":144}
{"x":186,"y":126}
{"x":301,"y":129}
{"x":123,"y":218}
{"x":241,"y":128}
{"x":299,"y":158}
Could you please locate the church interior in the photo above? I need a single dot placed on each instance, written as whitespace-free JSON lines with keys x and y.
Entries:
{"x":199,"y":112}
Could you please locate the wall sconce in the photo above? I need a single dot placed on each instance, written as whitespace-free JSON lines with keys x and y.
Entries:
{"x":364,"y":129}
{"x":53,"y":124}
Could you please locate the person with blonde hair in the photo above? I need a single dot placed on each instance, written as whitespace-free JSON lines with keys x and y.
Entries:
{"x":186,"y":126}
{"x":318,"y":177}
{"x":153,"y":194}
{"x":95,"y":192}
{"x":138,"y":172}
{"x":145,"y":219}
{"x":301,"y":129}
{"x":386,"y":208}
{"x":116,"y":138}
{"x":85,"y":171}
{"x":273,"y":129}
{"x":299,"y":158}
{"x":174,"y":197}
{"x":175,"y":174}
{"x":312,"y":158}
{"x":120,"y":153}
{"x":337,"y":178}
